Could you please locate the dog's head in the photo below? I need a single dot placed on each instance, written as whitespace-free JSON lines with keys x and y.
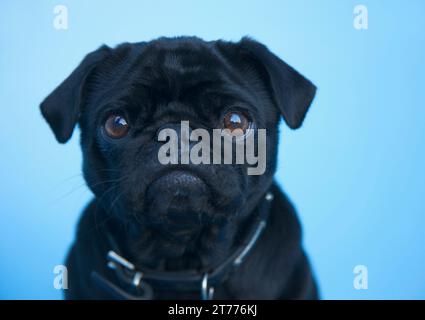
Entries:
{"x":123,"y":98}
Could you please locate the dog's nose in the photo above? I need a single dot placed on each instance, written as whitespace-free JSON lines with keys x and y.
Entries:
{"x":181,"y":182}
{"x":177,"y":191}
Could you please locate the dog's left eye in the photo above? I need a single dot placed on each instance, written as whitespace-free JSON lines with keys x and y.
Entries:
{"x":116,"y":126}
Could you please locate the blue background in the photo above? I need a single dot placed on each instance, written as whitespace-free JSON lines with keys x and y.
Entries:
{"x":355,"y":170}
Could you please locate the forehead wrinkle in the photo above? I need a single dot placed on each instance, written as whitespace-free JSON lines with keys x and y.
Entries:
{"x":167,"y":76}
{"x":172,"y":62}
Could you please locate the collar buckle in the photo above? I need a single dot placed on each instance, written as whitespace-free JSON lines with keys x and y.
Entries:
{"x":127,"y":273}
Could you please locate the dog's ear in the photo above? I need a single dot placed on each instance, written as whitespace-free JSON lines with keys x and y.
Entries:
{"x":291,"y":92}
{"x":62,"y":107}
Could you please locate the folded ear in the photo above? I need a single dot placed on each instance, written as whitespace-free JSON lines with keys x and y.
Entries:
{"x":292,"y":93}
{"x":62,"y":107}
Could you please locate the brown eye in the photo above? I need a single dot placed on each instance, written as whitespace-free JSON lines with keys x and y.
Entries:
{"x":116,"y":126}
{"x":236,"y":123}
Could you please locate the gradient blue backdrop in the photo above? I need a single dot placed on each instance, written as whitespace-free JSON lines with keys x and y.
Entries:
{"x":355,"y":170}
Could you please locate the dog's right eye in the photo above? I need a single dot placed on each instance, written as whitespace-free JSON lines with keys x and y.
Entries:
{"x":116,"y":126}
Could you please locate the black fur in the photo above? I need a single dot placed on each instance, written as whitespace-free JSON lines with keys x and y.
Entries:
{"x":160,"y":83}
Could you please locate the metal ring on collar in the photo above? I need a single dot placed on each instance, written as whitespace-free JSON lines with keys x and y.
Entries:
{"x":206,"y":293}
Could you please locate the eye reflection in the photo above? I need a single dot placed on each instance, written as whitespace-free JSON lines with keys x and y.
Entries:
{"x":116,"y":126}
{"x":236,"y":122}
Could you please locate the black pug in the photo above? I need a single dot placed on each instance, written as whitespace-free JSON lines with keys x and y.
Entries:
{"x":181,"y":231}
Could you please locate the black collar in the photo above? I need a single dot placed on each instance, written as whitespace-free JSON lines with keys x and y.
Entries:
{"x":136,"y":284}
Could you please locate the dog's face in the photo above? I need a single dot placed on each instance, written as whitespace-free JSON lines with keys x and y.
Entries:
{"x":122,"y":98}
